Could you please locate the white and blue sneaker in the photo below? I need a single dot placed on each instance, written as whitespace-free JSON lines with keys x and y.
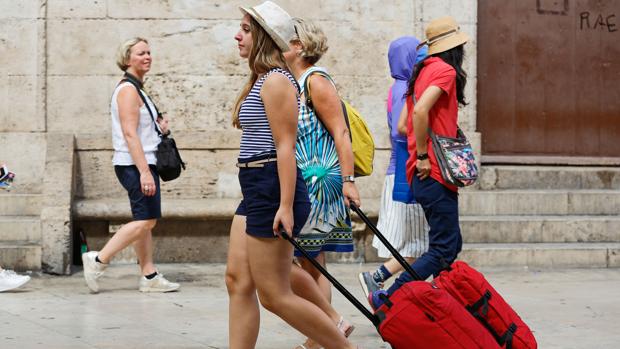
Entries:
{"x":368,"y":283}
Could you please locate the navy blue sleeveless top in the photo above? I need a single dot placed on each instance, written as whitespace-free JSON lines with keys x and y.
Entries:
{"x":256,"y":137}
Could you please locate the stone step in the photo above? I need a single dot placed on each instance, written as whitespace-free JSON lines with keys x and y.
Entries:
{"x":542,"y":229}
{"x":543,"y":255}
{"x":539,"y":202}
{"x":20,"y":204}
{"x":20,"y":228}
{"x":20,"y":256}
{"x":494,"y":177}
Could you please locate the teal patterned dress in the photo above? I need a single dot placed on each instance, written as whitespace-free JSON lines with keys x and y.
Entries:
{"x":329,"y":225}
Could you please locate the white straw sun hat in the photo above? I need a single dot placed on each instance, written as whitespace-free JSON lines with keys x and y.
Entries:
{"x":276,"y":22}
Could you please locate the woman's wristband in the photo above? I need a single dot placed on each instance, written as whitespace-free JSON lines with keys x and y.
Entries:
{"x":348,"y":179}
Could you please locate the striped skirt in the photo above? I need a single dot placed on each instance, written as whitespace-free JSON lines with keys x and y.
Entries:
{"x":403,"y":225}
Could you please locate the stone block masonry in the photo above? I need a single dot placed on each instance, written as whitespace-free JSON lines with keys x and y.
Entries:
{"x":57,"y":74}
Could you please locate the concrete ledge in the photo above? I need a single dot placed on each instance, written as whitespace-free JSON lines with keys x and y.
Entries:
{"x":549,"y":177}
{"x":20,"y":228}
{"x":539,"y":202}
{"x":540,"y":229}
{"x":552,"y":255}
{"x":192,"y":209}
{"x":20,"y":256}
{"x":20,"y":204}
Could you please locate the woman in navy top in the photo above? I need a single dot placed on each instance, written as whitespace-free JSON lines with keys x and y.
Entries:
{"x":275,"y":198}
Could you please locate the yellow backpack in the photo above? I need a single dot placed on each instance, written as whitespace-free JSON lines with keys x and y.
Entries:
{"x":361,"y":139}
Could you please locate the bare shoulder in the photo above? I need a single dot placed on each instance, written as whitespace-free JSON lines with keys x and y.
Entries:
{"x":277,"y":79}
{"x":128,"y":91}
{"x":321,"y":89}
{"x":320,"y":82}
{"x":128,"y":94}
{"x":277,"y":83}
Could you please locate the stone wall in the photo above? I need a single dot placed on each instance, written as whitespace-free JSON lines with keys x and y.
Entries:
{"x":57,"y":74}
{"x":23,"y":91}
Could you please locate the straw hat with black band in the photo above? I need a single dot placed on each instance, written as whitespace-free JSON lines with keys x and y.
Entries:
{"x":443,"y":34}
{"x":275,"y":21}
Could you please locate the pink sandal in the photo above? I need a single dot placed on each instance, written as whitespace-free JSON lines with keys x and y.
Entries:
{"x":345,"y":327}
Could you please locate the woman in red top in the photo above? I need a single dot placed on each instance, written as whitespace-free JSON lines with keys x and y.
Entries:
{"x":437,"y":85}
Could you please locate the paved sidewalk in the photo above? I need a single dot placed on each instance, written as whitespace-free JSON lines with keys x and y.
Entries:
{"x":567,"y":309}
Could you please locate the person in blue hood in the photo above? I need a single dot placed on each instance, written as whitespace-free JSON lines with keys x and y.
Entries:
{"x":401,"y":220}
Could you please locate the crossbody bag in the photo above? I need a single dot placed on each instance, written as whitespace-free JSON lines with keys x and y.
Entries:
{"x":169,"y":162}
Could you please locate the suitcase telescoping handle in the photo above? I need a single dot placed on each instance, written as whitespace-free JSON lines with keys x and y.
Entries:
{"x":385,"y":242}
{"x":372,"y":317}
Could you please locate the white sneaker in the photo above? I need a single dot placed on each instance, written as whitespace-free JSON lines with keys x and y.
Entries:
{"x":10,"y":280}
{"x":92,"y":270}
{"x":157,"y":284}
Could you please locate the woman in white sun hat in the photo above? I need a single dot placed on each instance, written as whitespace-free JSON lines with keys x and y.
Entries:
{"x":275,"y":198}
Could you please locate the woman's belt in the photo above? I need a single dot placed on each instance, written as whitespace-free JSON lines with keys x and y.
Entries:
{"x":257,"y":163}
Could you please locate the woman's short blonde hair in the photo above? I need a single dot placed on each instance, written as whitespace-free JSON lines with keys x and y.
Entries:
{"x":312,"y":38}
{"x":124,"y":51}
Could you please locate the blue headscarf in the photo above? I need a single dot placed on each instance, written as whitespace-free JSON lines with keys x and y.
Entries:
{"x":402,"y":56}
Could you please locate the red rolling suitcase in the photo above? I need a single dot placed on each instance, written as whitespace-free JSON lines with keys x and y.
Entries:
{"x":470,"y":288}
{"x":419,"y":315}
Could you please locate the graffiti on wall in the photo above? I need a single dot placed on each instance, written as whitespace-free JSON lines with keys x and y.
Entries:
{"x":597,"y":21}
{"x":552,"y":7}
{"x":588,"y":20}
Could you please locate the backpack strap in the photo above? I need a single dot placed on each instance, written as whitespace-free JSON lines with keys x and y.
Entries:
{"x":307,"y":84}
{"x":309,"y":99}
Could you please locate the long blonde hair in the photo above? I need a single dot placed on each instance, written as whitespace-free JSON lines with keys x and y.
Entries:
{"x":264,"y":56}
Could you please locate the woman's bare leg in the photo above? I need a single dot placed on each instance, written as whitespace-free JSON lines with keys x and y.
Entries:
{"x":324,"y":284}
{"x":144,"y":251}
{"x":243,"y":311}
{"x":124,"y":237}
{"x":306,"y":287}
{"x":271,"y":261}
{"x":394,"y":267}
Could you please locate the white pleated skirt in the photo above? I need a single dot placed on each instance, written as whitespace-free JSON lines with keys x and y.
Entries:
{"x":404,"y":225}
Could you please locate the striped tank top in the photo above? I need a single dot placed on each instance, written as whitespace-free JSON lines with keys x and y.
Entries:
{"x":256,"y":137}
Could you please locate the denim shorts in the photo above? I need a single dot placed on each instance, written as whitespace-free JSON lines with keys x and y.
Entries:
{"x":142,"y":207}
{"x":260,"y":187}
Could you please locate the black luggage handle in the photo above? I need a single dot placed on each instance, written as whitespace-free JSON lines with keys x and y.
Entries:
{"x":385,"y":242}
{"x":372,"y":317}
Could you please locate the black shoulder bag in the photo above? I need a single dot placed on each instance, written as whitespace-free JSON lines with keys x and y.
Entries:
{"x":169,"y":162}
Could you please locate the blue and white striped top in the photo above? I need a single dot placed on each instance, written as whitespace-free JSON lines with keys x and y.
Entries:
{"x":256,"y":137}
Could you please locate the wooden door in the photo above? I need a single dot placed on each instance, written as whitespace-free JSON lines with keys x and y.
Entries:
{"x":549,"y":77}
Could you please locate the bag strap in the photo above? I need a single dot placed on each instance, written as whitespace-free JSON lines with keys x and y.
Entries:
{"x":430,"y":130}
{"x":309,"y":99}
{"x":137,"y":84}
{"x":307,"y":84}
